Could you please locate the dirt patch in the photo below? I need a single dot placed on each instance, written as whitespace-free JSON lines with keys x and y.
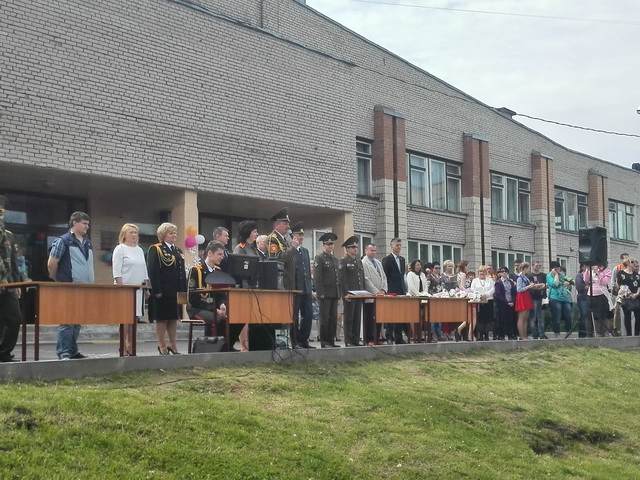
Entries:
{"x":553,"y":438}
{"x":22,"y":418}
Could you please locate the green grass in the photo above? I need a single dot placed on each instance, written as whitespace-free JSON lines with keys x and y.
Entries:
{"x":554,"y":413}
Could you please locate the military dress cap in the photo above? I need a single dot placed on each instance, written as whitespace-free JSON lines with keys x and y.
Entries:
{"x":328,"y":237}
{"x":281,"y":216}
{"x":245,"y":228}
{"x":352,"y":240}
{"x":298,"y":228}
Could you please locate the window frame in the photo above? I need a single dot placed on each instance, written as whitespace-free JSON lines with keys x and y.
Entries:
{"x":508,"y":256}
{"x":366,"y":157}
{"x":456,"y":251}
{"x":626,"y":209}
{"x":501,"y":182}
{"x":451,"y":174}
{"x":581,"y":205}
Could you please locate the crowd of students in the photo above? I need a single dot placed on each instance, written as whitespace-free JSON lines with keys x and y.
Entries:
{"x":515,"y":304}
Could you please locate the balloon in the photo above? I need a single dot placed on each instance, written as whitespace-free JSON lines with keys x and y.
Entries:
{"x":200,"y":239}
{"x":191,"y":231}
{"x":190,"y":242}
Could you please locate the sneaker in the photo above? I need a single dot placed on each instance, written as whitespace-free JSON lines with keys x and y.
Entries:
{"x":78,"y":356}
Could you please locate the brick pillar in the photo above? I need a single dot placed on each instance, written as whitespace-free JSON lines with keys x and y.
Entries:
{"x":597,"y":201}
{"x":389,"y":172}
{"x":184,"y":214}
{"x":543,"y":208}
{"x":476,"y":200}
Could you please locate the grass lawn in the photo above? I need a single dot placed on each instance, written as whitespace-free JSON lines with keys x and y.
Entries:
{"x":554,"y":413}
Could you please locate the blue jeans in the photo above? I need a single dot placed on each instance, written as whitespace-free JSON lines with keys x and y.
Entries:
{"x":436,"y":329}
{"x":585,"y":320}
{"x":560,"y":310}
{"x":67,"y":345}
{"x":536,"y":319}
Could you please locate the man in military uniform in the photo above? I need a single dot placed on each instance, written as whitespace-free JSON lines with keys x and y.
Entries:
{"x":297,"y":276}
{"x":326,"y":269}
{"x":278,"y":242}
{"x":10,"y":316}
{"x":351,"y":278}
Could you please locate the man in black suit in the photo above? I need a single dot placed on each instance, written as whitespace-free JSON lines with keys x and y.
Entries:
{"x":221,"y":235}
{"x":297,"y":276}
{"x":394,"y":268}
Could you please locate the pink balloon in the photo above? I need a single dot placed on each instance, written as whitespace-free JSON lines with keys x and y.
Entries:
{"x":190,"y":242}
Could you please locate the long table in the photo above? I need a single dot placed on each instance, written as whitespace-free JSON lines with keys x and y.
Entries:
{"x":254,"y":306}
{"x":63,"y":303}
{"x":451,"y":310}
{"x":393,"y":308}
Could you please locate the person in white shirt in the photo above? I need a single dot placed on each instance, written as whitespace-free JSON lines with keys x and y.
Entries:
{"x":375,"y":281}
{"x":417,"y":284}
{"x":416,"y":279}
{"x":484,"y":285}
{"x":130,"y":268}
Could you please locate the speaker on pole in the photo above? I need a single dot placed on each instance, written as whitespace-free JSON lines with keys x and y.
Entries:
{"x":592,"y":246}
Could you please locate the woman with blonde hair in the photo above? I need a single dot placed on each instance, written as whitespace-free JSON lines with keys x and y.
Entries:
{"x":165,"y":263}
{"x":484,"y":286}
{"x":130,"y":268}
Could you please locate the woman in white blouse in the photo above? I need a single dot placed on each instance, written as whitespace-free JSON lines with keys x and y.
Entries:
{"x":130,"y":268}
{"x":484,"y":285}
{"x":417,"y":284}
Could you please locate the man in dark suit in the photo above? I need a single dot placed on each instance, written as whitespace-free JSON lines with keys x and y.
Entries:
{"x":394,"y":268}
{"x":221,"y":235}
{"x":297,"y":276}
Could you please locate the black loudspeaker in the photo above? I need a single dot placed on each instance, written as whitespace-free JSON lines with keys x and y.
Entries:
{"x":592,"y":246}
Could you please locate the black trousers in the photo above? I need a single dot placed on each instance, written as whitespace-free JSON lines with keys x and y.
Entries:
{"x":302,"y":318}
{"x":328,"y":320}
{"x":351,"y":323}
{"x":10,"y":319}
{"x":485,"y":320}
{"x":505,"y":321}
{"x":369,"y":320}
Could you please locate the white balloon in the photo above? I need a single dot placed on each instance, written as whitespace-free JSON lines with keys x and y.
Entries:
{"x":200,"y":239}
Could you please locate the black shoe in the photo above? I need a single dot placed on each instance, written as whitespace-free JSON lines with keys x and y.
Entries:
{"x":172,"y":351}
{"x":78,"y":356}
{"x":166,"y":352}
{"x":7,"y":359}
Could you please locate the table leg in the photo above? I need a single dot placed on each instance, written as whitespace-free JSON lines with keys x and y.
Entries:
{"x":36,"y":327}
{"x":134,"y":334}
{"x":190,"y":339}
{"x":427,"y":308}
{"x":122,"y":339}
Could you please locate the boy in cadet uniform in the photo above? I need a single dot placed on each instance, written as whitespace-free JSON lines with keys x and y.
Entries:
{"x":277,"y":242}
{"x":10,"y":316}
{"x":208,"y":307}
{"x":351,"y":278}
{"x":326,"y":269}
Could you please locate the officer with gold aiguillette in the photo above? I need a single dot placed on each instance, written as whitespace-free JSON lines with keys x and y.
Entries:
{"x":10,"y":316}
{"x":278,"y":241}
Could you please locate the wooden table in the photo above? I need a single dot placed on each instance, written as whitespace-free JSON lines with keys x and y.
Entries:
{"x":255,"y":306}
{"x":450,"y":310}
{"x":63,"y":303}
{"x":393,"y":309}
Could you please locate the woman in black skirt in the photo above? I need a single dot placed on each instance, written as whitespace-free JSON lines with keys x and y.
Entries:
{"x":165,"y":263}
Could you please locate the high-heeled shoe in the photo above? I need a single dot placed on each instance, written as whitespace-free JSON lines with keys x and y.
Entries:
{"x":166,"y":352}
{"x":172,"y":351}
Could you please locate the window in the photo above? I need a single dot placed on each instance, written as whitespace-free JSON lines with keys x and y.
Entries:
{"x":364,"y":239}
{"x":504,"y":258}
{"x":433,"y":183}
{"x":430,"y":252}
{"x":510,"y":199}
{"x":570,"y":210}
{"x":621,"y":221}
{"x":363,"y":156}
